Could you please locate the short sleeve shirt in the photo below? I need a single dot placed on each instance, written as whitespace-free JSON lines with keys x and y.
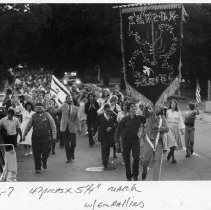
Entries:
{"x":10,"y":125}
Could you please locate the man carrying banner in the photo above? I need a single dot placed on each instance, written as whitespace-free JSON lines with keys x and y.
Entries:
{"x":155,"y":128}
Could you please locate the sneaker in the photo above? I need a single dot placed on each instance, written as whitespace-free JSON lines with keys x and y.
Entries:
{"x":26,"y":154}
{"x":135,"y":178}
{"x":128,"y":179}
{"x":30,"y":152}
{"x":68,"y":161}
{"x":191,"y":151}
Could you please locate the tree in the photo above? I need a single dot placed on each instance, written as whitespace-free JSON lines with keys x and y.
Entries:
{"x":20,"y":32}
{"x":197,"y":44}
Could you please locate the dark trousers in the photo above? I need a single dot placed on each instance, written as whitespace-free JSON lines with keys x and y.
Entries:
{"x":105,"y":152}
{"x":61,"y":141}
{"x":41,"y":151}
{"x":135,"y":148}
{"x":53,"y":145}
{"x":90,"y":125}
{"x":11,"y":139}
{"x":69,"y":140}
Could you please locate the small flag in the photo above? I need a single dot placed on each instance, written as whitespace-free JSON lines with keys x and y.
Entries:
{"x":198,"y":90}
{"x":58,"y":90}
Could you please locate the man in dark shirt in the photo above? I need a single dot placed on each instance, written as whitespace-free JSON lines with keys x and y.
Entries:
{"x":128,"y":129}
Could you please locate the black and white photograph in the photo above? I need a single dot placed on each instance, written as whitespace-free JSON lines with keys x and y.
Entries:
{"x":105,"y":92}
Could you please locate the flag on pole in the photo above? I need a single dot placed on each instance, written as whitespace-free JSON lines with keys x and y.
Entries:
{"x":58,"y":90}
{"x":198,"y":90}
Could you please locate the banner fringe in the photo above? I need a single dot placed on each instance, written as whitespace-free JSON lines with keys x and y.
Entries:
{"x":151,"y":7}
{"x":169,"y":91}
{"x":184,"y":14}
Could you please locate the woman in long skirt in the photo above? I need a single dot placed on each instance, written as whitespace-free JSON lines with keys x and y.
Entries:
{"x":26,"y":114}
{"x":176,"y":129}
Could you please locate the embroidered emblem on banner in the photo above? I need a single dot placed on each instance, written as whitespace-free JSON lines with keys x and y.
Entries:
{"x":151,"y":46}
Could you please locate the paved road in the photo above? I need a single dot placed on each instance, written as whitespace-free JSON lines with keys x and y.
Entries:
{"x":198,"y":167}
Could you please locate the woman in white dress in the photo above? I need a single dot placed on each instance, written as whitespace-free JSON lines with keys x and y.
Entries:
{"x":176,"y":129}
{"x":26,"y":114}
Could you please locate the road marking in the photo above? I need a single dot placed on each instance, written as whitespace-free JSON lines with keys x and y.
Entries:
{"x":95,"y":169}
{"x":99,"y":169}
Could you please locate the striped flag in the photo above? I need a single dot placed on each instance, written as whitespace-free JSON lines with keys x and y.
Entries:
{"x":198,"y":90}
{"x":58,"y":90}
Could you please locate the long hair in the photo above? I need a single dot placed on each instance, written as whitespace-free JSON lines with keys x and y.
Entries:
{"x":176,"y":107}
{"x":103,"y":93}
{"x":29,"y":103}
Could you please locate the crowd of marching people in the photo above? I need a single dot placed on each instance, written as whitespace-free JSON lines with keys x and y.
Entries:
{"x":36,"y":121}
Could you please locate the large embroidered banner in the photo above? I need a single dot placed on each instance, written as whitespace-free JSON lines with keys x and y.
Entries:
{"x":151,"y":45}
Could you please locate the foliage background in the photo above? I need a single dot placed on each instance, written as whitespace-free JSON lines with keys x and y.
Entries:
{"x":66,"y":37}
